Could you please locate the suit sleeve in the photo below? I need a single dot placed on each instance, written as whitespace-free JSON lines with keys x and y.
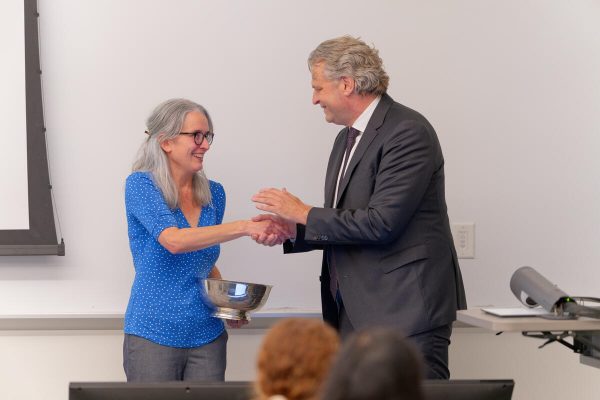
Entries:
{"x":299,"y":245}
{"x":404,"y":172}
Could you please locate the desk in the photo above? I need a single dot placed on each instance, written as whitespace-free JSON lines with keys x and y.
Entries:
{"x":584,"y":328}
{"x":477,"y":317}
{"x":262,"y":319}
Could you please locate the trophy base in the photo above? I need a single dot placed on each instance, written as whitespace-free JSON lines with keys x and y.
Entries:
{"x":230,"y":313}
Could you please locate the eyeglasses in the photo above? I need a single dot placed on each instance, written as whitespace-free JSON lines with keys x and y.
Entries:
{"x":199,"y":136}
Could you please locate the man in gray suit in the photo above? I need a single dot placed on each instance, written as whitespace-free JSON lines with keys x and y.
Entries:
{"x":389,"y":258}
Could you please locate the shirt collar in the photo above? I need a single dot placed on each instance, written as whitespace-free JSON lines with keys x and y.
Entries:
{"x":363,"y":119}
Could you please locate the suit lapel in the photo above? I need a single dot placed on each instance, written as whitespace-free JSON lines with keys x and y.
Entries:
{"x":367,"y":137}
{"x":333,"y":169}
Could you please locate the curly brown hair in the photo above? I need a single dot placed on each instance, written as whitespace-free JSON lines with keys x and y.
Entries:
{"x":294,"y":359}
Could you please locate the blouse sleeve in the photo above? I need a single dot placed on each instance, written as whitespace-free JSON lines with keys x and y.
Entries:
{"x":218,"y":199}
{"x":145,"y":202}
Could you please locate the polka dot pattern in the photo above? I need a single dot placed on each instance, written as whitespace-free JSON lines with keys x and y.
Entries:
{"x":166,"y":304}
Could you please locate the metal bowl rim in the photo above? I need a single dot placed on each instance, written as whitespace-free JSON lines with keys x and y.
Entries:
{"x":236,"y":282}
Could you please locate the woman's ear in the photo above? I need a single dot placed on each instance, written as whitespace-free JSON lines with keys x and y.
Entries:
{"x":164,"y":144}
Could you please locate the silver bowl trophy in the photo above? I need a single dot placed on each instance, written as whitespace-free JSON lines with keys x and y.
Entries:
{"x":234,"y":300}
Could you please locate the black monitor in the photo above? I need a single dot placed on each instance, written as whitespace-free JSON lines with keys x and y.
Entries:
{"x":160,"y":391}
{"x":495,"y":389}
{"x":434,"y":390}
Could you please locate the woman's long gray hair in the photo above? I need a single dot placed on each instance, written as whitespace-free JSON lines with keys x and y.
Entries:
{"x":165,"y":123}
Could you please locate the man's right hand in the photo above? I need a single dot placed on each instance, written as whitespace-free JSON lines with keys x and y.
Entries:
{"x":282,"y":230}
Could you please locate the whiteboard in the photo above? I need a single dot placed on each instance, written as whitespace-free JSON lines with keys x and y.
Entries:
{"x":14,"y":201}
{"x":511,"y":87}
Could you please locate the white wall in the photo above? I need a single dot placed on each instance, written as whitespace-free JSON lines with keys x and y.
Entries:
{"x":40,"y":364}
{"x":512,"y":88}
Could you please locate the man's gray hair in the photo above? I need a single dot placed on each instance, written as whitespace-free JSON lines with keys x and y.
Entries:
{"x":351,"y":57}
{"x":165,"y":123}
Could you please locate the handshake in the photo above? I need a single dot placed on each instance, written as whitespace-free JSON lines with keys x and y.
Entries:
{"x":286,"y":210}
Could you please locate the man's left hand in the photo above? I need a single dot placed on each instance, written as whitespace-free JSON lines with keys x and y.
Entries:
{"x":282,"y":203}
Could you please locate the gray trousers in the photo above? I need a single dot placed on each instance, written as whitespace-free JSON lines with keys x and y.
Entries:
{"x":146,"y":361}
{"x":433,"y":345}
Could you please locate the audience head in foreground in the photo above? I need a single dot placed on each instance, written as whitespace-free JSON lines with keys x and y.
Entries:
{"x":375,"y":364}
{"x":294,"y":359}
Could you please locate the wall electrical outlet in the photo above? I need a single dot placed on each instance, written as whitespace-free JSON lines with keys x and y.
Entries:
{"x":464,"y":239}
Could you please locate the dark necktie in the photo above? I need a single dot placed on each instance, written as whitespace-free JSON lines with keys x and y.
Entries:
{"x":350,"y":140}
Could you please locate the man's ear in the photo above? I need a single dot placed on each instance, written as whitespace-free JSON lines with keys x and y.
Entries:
{"x":348,"y":85}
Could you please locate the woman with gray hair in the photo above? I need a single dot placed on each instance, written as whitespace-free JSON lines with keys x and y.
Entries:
{"x":174,"y":217}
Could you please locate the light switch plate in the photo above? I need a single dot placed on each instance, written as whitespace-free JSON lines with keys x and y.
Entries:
{"x":464,"y":239}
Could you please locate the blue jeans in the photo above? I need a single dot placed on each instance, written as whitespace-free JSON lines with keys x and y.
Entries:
{"x":146,"y":361}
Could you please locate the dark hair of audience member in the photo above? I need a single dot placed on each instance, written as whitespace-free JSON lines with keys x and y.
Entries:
{"x":376,"y":364}
{"x":294,"y":359}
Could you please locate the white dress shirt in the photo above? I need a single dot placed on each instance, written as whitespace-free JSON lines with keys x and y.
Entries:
{"x":360,"y":125}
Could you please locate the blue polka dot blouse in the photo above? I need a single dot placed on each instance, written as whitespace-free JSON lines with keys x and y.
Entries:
{"x":166,"y":306}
